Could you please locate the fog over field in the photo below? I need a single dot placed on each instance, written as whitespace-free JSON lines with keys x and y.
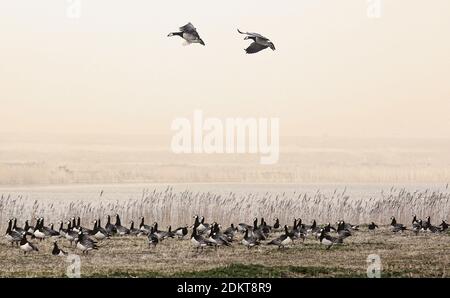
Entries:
{"x":92,"y":159}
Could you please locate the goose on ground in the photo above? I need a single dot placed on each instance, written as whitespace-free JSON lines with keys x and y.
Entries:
{"x":189,"y":33}
{"x":328,"y":227}
{"x":133,"y":230}
{"x":198,"y":241}
{"x":444,"y":226}
{"x":12,"y":236}
{"x":98,"y":232}
{"x":242,"y":227}
{"x":39,"y":230}
{"x":203,"y":227}
{"x":313,"y":229}
{"x":153,"y":240}
{"x":417,"y":226}
{"x":342,"y":231}
{"x":372,"y":226}
{"x":70,"y":234}
{"x":28,"y":228}
{"x":256,"y":232}
{"x":27,"y":246}
{"x":283,"y":240}
{"x":110,"y":228}
{"x":16,"y":228}
{"x":57,"y":251}
{"x":230,"y":231}
{"x":299,"y":231}
{"x":164,"y":234}
{"x":264,"y":227}
{"x":218,"y":239}
{"x":426,"y":224}
{"x":329,"y":241}
{"x":414,"y":220}
{"x":276,"y":226}
{"x":50,"y":232}
{"x":181,"y":232}
{"x":84,"y":243}
{"x":249,"y":241}
{"x":121,"y":230}
{"x":396,"y":227}
{"x":143,"y":227}
{"x":259,"y":42}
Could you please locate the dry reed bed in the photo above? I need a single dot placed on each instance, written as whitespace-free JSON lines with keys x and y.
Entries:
{"x":177,"y":208}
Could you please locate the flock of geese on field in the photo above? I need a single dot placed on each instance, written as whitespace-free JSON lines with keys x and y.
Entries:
{"x":190,"y":35}
{"x":202,"y":234}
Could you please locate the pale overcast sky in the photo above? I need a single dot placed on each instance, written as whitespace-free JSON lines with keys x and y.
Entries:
{"x":335,"y":72}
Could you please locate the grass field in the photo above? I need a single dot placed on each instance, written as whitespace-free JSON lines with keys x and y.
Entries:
{"x":407,"y":255}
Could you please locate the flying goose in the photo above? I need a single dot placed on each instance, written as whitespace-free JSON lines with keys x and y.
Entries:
{"x":84,"y":243}
{"x":27,"y":246}
{"x":259,"y":42}
{"x":57,"y":251}
{"x":283,"y":240}
{"x":189,"y":33}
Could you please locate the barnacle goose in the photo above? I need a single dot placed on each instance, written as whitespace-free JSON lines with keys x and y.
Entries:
{"x":12,"y":236}
{"x":328,"y":240}
{"x":133,"y":230}
{"x":396,"y":227}
{"x":57,"y":251}
{"x":256,"y":232}
{"x":143,"y":227}
{"x":152,"y":238}
{"x":27,"y":246}
{"x":342,"y":231}
{"x":276,"y":225}
{"x":121,"y":230}
{"x":39,"y":230}
{"x":70,"y":234}
{"x":444,"y":226}
{"x":181,"y":232}
{"x":98,"y":232}
{"x":189,"y":33}
{"x":372,"y":226}
{"x":283,"y":240}
{"x":198,"y":241}
{"x":230,"y":231}
{"x":259,"y":42}
{"x":110,"y":228}
{"x":84,"y":243}
{"x":249,"y":241}
{"x":16,"y":228}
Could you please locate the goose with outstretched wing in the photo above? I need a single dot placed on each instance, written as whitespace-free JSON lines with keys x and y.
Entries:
{"x":189,"y":33}
{"x":259,"y":42}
